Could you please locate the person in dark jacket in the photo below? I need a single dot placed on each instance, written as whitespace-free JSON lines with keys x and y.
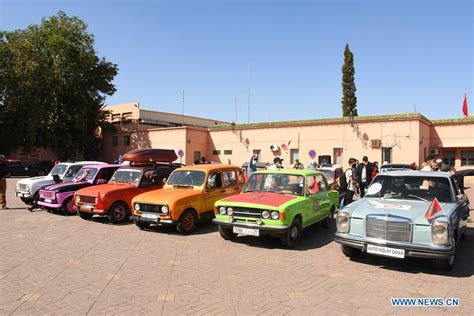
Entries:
{"x":364,"y":175}
{"x":3,"y":182}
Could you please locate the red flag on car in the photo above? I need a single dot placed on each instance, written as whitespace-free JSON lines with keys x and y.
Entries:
{"x":434,"y":208}
{"x":464,"y":106}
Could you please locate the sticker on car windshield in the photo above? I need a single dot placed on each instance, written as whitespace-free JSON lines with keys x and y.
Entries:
{"x":374,"y":188}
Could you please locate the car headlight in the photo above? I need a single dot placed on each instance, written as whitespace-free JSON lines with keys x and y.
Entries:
{"x":165,"y":209}
{"x":230,"y":211}
{"x":342,"y":222}
{"x":78,"y":199}
{"x":136,"y":207}
{"x":265,"y":214}
{"x":222,"y":210}
{"x":439,"y":232}
{"x":275,"y":215}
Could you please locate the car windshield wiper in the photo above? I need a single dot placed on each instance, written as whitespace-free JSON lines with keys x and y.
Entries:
{"x":182,"y":186}
{"x":418,"y":197}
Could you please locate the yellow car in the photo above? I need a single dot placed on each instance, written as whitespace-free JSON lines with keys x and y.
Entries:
{"x":187,"y":197}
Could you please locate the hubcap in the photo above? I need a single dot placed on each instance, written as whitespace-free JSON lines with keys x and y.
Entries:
{"x":119,"y":212}
{"x":294,"y":232}
{"x":188,"y":222}
{"x":70,"y":206}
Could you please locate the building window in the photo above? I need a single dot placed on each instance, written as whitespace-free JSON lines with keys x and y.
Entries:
{"x":448,"y":158}
{"x":467,"y":157}
{"x":294,"y":154}
{"x":228,"y":152}
{"x":337,"y":155}
{"x":257,"y":152}
{"x":386,"y":155}
{"x":114,"y":141}
{"x":197,"y":157}
{"x":126,"y":140}
{"x":216,"y":152}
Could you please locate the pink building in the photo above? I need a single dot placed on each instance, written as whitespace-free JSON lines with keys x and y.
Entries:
{"x":398,"y":138}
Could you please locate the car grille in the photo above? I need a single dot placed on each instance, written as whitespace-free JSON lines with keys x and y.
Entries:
{"x":247,"y":212}
{"x":87,"y":199}
{"x":388,"y":227}
{"x":23,"y":187}
{"x":151,"y":208}
{"x":47,"y":194}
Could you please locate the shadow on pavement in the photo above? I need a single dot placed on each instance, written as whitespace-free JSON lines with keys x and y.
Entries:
{"x":202,"y":228}
{"x":464,"y":266}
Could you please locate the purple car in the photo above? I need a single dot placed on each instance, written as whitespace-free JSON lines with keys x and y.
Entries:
{"x":59,"y":196}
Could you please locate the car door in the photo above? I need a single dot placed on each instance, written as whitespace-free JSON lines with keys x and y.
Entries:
{"x":323,"y":197}
{"x":317,"y":192}
{"x":311,"y":205}
{"x":213,"y":190}
{"x":233,"y":181}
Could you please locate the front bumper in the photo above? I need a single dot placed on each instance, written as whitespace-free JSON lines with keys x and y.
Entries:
{"x":26,"y":195}
{"x":411,"y":250}
{"x":86,"y":208}
{"x":156,"y":221}
{"x":263,"y":229}
{"x":49,"y":205}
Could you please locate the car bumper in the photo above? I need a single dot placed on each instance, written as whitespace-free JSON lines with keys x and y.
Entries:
{"x":25,"y":195}
{"x":263,"y":229}
{"x":411,"y":250}
{"x":49,"y":205}
{"x":90,"y":209}
{"x":156,"y":221}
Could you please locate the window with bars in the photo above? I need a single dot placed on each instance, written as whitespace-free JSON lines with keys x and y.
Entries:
{"x":386,"y":154}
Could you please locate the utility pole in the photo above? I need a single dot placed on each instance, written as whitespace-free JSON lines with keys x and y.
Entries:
{"x":183,"y":108}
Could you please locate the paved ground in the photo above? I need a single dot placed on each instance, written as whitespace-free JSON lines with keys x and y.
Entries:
{"x":52,"y":264}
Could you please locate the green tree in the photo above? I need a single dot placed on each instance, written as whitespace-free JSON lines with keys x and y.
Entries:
{"x":53,"y":87}
{"x":349,"y":99}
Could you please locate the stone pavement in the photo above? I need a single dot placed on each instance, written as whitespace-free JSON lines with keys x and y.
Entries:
{"x":54,"y":264}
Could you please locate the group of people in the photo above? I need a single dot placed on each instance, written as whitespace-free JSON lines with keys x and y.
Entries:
{"x":436,"y":164}
{"x":357,"y":178}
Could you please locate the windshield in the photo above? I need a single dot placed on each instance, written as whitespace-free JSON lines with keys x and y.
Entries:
{"x":85,"y":174}
{"x":59,"y":169}
{"x":131,"y":176}
{"x":186,"y":178}
{"x":329,"y":174}
{"x":409,"y":187}
{"x":276,"y":183}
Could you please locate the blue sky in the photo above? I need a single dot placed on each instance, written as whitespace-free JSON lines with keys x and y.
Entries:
{"x":407,"y":53}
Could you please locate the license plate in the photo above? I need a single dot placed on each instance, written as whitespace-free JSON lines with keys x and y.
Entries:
{"x":246,"y":231}
{"x":386,"y":251}
{"x":150,"y":216}
{"x":48,"y":200}
{"x":87,"y":207}
{"x":20,"y":194}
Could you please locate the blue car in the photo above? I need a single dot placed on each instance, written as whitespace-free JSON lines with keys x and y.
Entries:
{"x":406,"y":214}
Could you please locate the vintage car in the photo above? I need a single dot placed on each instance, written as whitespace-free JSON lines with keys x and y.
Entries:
{"x":332,"y":173}
{"x":59,"y":196}
{"x":396,"y":217}
{"x":28,"y":189}
{"x":396,"y":167}
{"x":278,"y":202}
{"x":17,"y":168}
{"x":188,"y":196}
{"x":146,"y":173}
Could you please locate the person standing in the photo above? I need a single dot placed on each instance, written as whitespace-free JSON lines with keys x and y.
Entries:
{"x":298,"y":165}
{"x":252,"y":164}
{"x":364,"y":175}
{"x":3,"y":182}
{"x":350,"y":180}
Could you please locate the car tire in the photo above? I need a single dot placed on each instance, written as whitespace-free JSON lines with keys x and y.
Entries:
{"x":329,"y":220}
{"x":68,"y":207}
{"x":292,"y":237}
{"x":118,"y":213}
{"x":84,"y":215}
{"x":187,"y":222}
{"x":350,"y":251}
{"x":142,"y":225}
{"x":226,"y":233}
{"x":446,"y":264}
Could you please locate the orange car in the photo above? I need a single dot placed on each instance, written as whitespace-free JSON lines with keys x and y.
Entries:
{"x":188,"y":196}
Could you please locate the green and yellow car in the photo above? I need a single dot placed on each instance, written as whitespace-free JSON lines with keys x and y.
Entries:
{"x":278,"y":202}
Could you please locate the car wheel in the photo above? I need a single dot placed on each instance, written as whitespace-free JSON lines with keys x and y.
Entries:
{"x":227,"y":233}
{"x":328,"y":221}
{"x":292,"y":237}
{"x":84,"y":215}
{"x":68,"y":206}
{"x":118,"y":213}
{"x":350,"y":251}
{"x":187,"y":222}
{"x":446,"y":264}
{"x":142,"y":225}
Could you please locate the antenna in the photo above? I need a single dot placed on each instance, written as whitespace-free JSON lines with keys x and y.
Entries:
{"x":183,"y":107}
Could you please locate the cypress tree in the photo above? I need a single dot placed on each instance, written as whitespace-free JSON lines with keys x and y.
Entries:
{"x":349,"y":99}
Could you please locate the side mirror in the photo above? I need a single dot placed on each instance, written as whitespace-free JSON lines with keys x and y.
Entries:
{"x":56,"y":178}
{"x":100,"y":181}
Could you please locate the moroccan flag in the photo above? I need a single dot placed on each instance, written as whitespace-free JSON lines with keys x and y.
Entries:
{"x":434,"y":208}
{"x":464,"y":106}
{"x":284,"y":147}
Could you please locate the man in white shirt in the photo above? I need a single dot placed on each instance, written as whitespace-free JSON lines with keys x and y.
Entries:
{"x":351,"y":188}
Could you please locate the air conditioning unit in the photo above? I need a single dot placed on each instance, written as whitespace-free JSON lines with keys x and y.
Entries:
{"x":274,"y":148}
{"x":376,"y":143}
{"x":434,"y":152}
